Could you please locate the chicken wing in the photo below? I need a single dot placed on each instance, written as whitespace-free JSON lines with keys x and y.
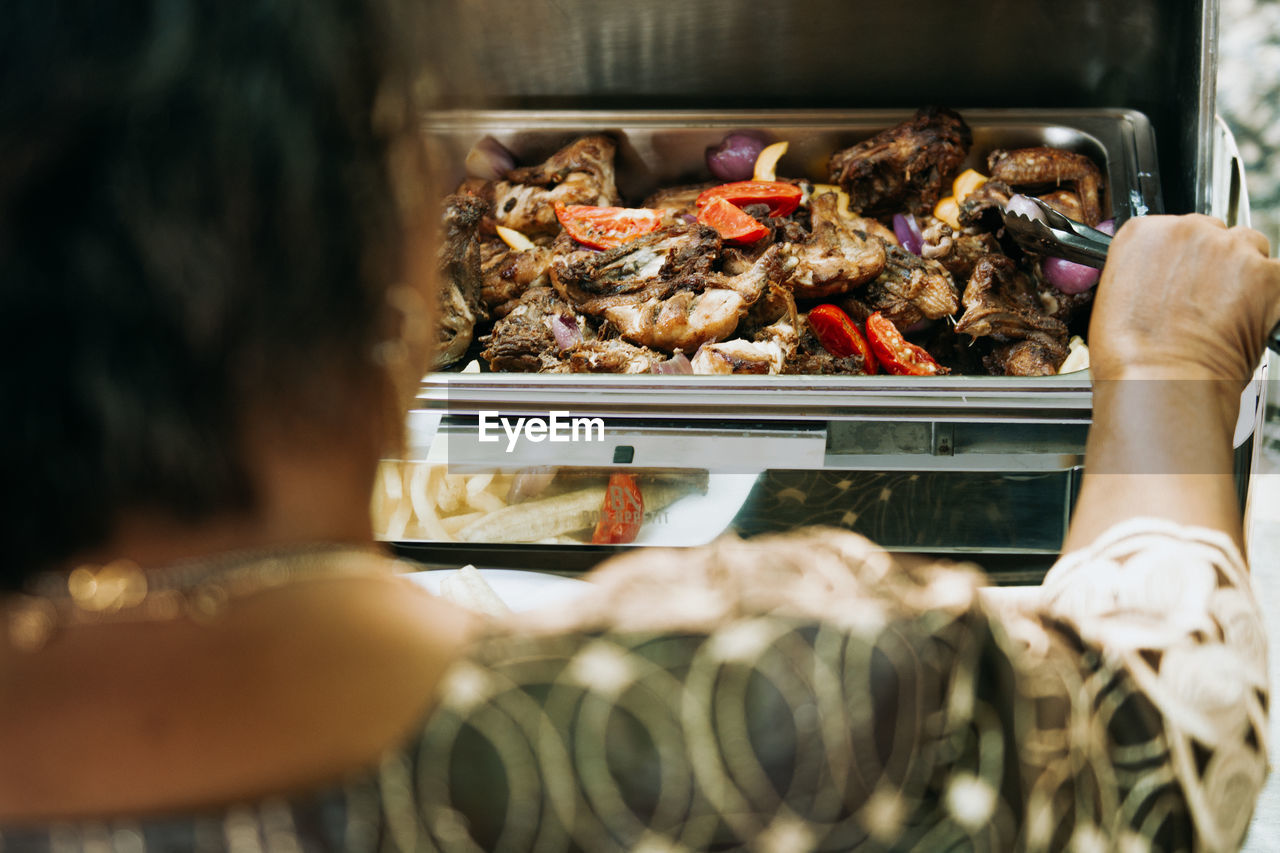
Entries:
{"x":1030,"y":168}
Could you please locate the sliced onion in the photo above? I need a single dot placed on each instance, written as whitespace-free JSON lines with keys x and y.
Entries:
{"x":677,"y":365}
{"x":907,"y":230}
{"x":489,"y":159}
{"x":734,"y":159}
{"x":1069,"y":277}
{"x":1020,"y":204}
{"x":566,"y":331}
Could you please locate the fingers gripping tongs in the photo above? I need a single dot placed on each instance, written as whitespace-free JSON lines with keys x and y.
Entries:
{"x":1037,"y":227}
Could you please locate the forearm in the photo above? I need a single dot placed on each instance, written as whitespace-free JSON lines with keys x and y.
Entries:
{"x":1160,"y":446}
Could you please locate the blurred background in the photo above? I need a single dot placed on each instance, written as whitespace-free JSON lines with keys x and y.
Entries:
{"x":1249,"y":100}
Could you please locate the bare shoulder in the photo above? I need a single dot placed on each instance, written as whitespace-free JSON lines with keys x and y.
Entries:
{"x":287,"y":689}
{"x":361,"y":655}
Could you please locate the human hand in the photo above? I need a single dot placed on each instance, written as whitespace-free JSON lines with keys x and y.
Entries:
{"x":1184,"y":297}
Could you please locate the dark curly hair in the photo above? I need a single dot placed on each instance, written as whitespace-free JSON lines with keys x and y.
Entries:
{"x":197,"y":216}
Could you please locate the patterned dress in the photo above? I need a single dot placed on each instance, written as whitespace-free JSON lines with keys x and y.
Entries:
{"x":813,"y":692}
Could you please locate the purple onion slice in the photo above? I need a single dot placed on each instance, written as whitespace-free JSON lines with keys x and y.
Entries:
{"x":734,"y":159}
{"x":566,"y":331}
{"x":908,"y":233}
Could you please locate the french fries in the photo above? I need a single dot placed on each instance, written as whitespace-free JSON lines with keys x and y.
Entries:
{"x":421,"y":500}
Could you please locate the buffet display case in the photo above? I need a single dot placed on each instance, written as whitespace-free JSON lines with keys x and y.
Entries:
{"x":965,"y":465}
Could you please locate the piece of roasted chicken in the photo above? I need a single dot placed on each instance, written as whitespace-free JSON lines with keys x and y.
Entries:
{"x":768,"y":335}
{"x":506,"y":273}
{"x":580,"y":173}
{"x":1001,"y":302}
{"x":836,"y":258}
{"x":911,"y":289}
{"x":909,"y":166}
{"x":527,"y":339}
{"x":458,"y":298}
{"x":649,"y":267}
{"x":1048,"y":169}
{"x":958,"y":251}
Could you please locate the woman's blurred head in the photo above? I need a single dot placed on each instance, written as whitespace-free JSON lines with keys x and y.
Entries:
{"x":199,"y":229}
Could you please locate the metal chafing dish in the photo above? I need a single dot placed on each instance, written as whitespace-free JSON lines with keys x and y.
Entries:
{"x":954,"y":464}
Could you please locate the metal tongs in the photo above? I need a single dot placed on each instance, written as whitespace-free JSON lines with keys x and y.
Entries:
{"x":1060,"y":236}
{"x":1056,"y":235}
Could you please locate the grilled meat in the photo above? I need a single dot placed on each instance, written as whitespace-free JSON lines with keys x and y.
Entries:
{"x":613,"y":356}
{"x":957,"y":251}
{"x":651,"y":267}
{"x":733,"y":309}
{"x":1001,"y":302}
{"x":523,"y":340}
{"x":983,"y":207}
{"x":507,"y":273}
{"x":1062,"y":306}
{"x":1032,"y":168}
{"x":836,"y":258}
{"x":660,"y":290}
{"x":580,"y":173}
{"x":683,"y":321}
{"x":459,"y":307}
{"x":1065,"y":202}
{"x":1039,"y":355}
{"x":911,"y":289}
{"x":810,"y":357}
{"x":904,"y":167}
{"x":739,"y":356}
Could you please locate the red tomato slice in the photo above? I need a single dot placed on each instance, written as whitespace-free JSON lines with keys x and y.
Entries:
{"x":734,"y":224}
{"x":606,"y":227}
{"x":622,"y":512}
{"x":781,"y":196}
{"x":839,"y":335}
{"x":896,"y":354}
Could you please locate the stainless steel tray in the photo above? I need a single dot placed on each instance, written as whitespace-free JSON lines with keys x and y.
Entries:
{"x":667,"y":148}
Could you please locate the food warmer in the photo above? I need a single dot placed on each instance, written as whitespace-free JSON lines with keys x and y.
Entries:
{"x":984,"y":467}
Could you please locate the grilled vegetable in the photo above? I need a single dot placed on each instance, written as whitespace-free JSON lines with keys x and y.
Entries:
{"x":966,"y":182}
{"x":735,"y":157}
{"x":895,"y":353}
{"x":838,"y":334}
{"x":606,"y":227}
{"x":767,"y":163}
{"x":948,"y":210}
{"x":733,"y":224}
{"x":780,"y":196}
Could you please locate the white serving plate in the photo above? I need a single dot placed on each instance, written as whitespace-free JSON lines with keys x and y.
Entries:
{"x":520,"y":590}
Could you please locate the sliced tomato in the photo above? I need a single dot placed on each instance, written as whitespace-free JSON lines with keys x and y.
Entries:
{"x":839,"y":335}
{"x":781,"y":196}
{"x":895,"y":353}
{"x":606,"y":227}
{"x":622,"y":512}
{"x":734,"y":224}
